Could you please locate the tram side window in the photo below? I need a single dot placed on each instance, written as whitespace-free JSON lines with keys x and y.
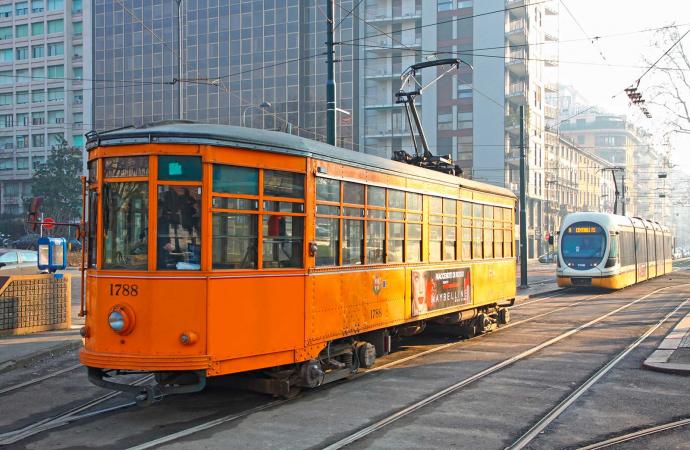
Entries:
{"x":626,"y":248}
{"x":125,"y":225}
{"x":466,"y":248}
{"x":640,"y":246}
{"x":450,"y":230}
{"x":328,"y":245}
{"x":413,"y":217}
{"x":178,"y":242}
{"x":376,"y":229}
{"x":508,"y":230}
{"x":235,"y":241}
{"x":435,"y":229}
{"x":498,"y":232}
{"x":477,"y":231}
{"x":488,"y":232}
{"x":93,"y":229}
{"x":283,"y":238}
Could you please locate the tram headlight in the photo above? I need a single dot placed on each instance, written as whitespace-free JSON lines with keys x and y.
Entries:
{"x":117,"y":321}
{"x":121,"y":319}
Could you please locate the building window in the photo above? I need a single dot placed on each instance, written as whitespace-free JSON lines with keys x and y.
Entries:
{"x":445,"y":5}
{"x":78,"y":97}
{"x":78,"y":140}
{"x":38,"y":118}
{"x":76,"y":6}
{"x":23,"y":163}
{"x":56,"y":26}
{"x":22,"y":53}
{"x":6,"y":120}
{"x":37,"y":51}
{"x":56,"y":5}
{"x":21,"y":8}
{"x":21,"y":31}
{"x":77,"y":73}
{"x":23,"y":141}
{"x":6,"y":99}
{"x":77,"y":51}
{"x":5,"y":10}
{"x":6,"y":164}
{"x":37,"y":29}
{"x":56,"y":94}
{"x":38,"y":96}
{"x":57,"y":71}
{"x":6,"y":77}
{"x":6,"y":55}
{"x":22,"y":97}
{"x":23,"y":119}
{"x":22,"y":75}
{"x":76,"y":28}
{"x":38,"y":140}
{"x":36,"y":6}
{"x":38,"y":73}
{"x":56,"y":49}
{"x":56,"y":116}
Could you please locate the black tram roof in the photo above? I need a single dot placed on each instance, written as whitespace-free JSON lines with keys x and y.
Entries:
{"x":187,"y":132}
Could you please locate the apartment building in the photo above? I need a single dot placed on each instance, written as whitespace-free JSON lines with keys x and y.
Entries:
{"x":44,"y":95}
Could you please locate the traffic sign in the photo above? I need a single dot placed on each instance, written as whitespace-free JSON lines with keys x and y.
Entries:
{"x":48,"y":223}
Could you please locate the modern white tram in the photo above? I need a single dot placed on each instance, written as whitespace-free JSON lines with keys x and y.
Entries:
{"x":611,"y":251}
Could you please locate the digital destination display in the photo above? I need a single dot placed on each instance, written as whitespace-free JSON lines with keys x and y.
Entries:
{"x":586,"y":230}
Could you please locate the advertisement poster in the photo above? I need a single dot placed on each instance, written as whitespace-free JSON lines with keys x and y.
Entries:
{"x":439,"y":289}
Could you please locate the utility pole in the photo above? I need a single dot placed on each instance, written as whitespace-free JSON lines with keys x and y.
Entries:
{"x":180,"y":62}
{"x":523,"y":203}
{"x":330,"y":82}
{"x":623,"y":188}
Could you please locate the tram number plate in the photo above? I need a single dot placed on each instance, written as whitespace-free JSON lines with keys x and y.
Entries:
{"x":124,"y":290}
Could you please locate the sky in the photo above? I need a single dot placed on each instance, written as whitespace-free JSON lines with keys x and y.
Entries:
{"x":603,"y":69}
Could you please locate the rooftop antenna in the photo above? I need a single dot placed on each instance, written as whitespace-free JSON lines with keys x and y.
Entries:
{"x":407,"y":97}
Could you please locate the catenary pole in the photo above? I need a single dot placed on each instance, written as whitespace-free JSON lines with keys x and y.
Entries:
{"x":523,"y":203}
{"x":623,"y":190}
{"x":180,"y":60}
{"x":330,"y":83}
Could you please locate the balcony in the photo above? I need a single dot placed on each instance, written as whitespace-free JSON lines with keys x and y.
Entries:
{"x":383,"y":16}
{"x":517,"y":93}
{"x":517,"y":31}
{"x":516,"y":61}
{"x":516,"y":7}
{"x":551,"y":87}
{"x":550,"y":112}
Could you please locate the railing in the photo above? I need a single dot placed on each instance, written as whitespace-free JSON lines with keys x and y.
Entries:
{"x":516,"y":56}
{"x":517,"y":89}
{"x":517,"y":25}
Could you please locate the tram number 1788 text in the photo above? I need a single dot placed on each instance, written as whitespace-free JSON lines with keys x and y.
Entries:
{"x":125,"y":290}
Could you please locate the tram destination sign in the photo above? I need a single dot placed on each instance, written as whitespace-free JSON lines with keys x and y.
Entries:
{"x":439,"y":289}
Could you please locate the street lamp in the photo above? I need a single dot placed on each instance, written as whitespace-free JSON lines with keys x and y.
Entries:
{"x":263,"y":106}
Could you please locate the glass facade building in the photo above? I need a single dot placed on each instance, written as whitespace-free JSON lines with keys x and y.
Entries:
{"x":256,"y":63}
{"x":44,"y":47}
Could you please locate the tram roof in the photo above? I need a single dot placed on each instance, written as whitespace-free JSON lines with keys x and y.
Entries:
{"x":609,"y":219}
{"x":186,"y":132}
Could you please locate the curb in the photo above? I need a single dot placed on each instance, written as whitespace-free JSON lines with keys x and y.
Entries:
{"x":659,"y":359}
{"x":56,"y":350}
{"x":523,"y":297}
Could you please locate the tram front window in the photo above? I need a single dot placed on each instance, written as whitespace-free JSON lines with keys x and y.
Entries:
{"x":583,"y":245}
{"x":179,"y":219}
{"x":125,"y":225}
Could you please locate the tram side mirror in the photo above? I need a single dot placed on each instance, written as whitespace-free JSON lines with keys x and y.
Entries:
{"x":313,"y":247}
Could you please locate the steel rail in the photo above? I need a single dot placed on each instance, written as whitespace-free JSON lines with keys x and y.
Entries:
{"x":38,"y":379}
{"x":637,"y":434}
{"x":66,"y":417}
{"x":236,"y":416}
{"x":549,"y":418}
{"x":366,"y":431}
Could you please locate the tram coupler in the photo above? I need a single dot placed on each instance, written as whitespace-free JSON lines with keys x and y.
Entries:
{"x":145,"y":395}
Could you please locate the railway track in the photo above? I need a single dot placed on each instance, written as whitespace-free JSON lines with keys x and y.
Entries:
{"x":69,"y":416}
{"x":37,"y":380}
{"x":628,"y":437}
{"x":237,"y":416}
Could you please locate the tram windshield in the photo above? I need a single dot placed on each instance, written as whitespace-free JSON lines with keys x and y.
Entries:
{"x":583,"y":245}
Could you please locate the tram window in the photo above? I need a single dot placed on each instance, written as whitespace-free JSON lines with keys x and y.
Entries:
{"x":466,"y":243}
{"x":328,"y":241}
{"x":353,"y":212}
{"x":283,"y":184}
{"x":413,"y":243}
{"x":282,"y":241}
{"x":396,"y":199}
{"x":328,"y":210}
{"x":435,"y":205}
{"x":449,"y":207}
{"x":376,"y":214}
{"x":488,"y":241}
{"x":477,"y":212}
{"x":396,"y":215}
{"x":353,"y":193}
{"x":178,"y":244}
{"x":375,"y":242}
{"x":507,"y":243}
{"x":235,"y":203}
{"x":125,"y":225}
{"x":327,"y":190}
{"x":449,"y":243}
{"x":93,"y":229}
{"x":477,"y":243}
{"x":435,"y":243}
{"x":466,"y":214}
{"x":179,"y":168}
{"x":498,"y":243}
{"x":92,"y":171}
{"x":235,"y":241}
{"x":414,"y":201}
{"x":235,"y":180}
{"x":396,"y":235}
{"x":376,"y":196}
{"x":353,"y":242}
{"x":126,"y":166}
{"x":286,"y":207}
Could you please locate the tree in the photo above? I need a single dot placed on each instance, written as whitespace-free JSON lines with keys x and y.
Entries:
{"x":671,"y":93}
{"x":57,"y":181}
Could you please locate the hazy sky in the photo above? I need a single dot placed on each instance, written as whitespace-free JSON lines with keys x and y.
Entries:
{"x":599,"y":77}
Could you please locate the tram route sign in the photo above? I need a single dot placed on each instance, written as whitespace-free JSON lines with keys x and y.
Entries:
{"x":439,"y":289}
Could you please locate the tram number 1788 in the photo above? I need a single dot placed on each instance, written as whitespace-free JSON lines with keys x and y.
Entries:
{"x":125,"y":290}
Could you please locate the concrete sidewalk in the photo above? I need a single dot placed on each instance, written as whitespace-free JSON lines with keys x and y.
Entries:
{"x":17,"y":351}
{"x":673,"y":354}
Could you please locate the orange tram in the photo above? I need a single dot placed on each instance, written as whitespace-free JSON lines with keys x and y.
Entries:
{"x":217,"y":250}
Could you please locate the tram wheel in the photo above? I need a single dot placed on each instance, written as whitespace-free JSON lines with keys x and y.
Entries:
{"x":468,"y":329}
{"x":503,"y":316}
